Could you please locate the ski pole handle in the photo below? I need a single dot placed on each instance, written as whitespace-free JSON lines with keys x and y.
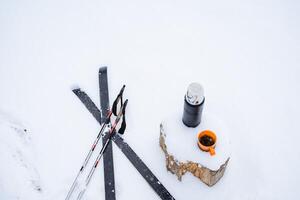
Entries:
{"x":122,"y":90}
{"x":120,"y":114}
{"x":119,"y":97}
{"x":124,"y":106}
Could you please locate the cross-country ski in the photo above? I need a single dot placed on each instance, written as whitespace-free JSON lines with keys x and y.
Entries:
{"x":136,"y":161}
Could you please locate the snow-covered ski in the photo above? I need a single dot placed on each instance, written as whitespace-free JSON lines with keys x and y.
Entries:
{"x":136,"y":161}
{"x":108,"y":164}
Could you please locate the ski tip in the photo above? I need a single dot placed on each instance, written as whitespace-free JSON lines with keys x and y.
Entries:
{"x":102,"y":69}
{"x":75,"y":88}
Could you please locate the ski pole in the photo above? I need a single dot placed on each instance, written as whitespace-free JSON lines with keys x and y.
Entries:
{"x":100,"y":134}
{"x":111,"y":133}
{"x":86,"y":159}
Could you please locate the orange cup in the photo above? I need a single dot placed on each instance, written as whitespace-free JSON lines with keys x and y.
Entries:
{"x":207,"y":141}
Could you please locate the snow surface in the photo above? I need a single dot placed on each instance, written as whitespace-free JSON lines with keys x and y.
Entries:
{"x":244,"y":53}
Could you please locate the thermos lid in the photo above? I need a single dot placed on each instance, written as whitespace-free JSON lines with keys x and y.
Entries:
{"x":195,"y":94}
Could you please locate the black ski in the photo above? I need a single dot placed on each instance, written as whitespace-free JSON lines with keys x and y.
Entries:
{"x":108,"y":164}
{"x":89,"y":104}
{"x":152,"y":180}
{"x":142,"y":168}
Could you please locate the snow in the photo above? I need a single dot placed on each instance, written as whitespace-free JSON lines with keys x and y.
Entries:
{"x":245,"y":54}
{"x":19,"y":175}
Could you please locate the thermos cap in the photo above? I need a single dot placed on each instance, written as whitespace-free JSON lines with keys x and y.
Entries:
{"x":195,"y":94}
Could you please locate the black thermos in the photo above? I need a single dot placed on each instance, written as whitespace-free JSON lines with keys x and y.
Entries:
{"x":193,"y":105}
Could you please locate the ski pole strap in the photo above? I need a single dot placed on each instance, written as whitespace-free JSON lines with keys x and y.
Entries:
{"x":119,"y":97}
{"x":119,"y":116}
{"x":123,"y":125}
